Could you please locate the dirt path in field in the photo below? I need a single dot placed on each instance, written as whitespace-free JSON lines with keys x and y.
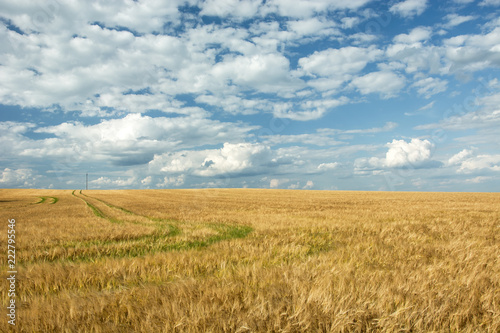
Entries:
{"x":157,"y":235}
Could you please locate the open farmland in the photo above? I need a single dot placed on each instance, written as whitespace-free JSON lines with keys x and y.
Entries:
{"x":226,"y":260}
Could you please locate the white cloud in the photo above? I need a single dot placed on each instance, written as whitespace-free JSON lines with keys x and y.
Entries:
{"x":328,"y":166}
{"x":401,"y":154}
{"x":309,"y":185}
{"x":131,"y":140}
{"x":488,"y":162}
{"x":147,"y":181}
{"x":308,"y":110}
{"x":297,"y":60}
{"x":409,"y":8}
{"x":386,"y":83}
{"x":17,"y":178}
{"x":478,"y":179}
{"x":427,"y":106}
{"x":473,"y":52}
{"x":305,"y":8}
{"x":108,"y":182}
{"x":279,"y":182}
{"x":51,"y":16}
{"x":339,"y":63}
{"x":171,"y":181}
{"x":415,"y":56}
{"x":362,"y":38}
{"x":265,"y":72}
{"x":418,"y":34}
{"x":349,"y":22}
{"x":232,"y":159}
{"x":430,"y":86}
{"x":423,"y":108}
{"x":236,"y":8}
{"x":60,"y":69}
{"x":468,"y":161}
{"x":454,"y":19}
{"x":487,"y":116}
{"x":490,"y":3}
{"x":460,"y":157}
{"x":312,"y":26}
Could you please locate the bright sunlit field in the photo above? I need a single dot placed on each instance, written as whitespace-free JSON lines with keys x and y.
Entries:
{"x":231,"y":260}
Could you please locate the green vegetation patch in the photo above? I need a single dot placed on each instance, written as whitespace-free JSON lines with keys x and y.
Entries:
{"x":43,"y":199}
{"x":160,"y":241}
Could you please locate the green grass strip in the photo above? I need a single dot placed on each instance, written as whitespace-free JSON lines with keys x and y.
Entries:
{"x":141,"y":246}
{"x":136,"y":246}
{"x":42,"y":200}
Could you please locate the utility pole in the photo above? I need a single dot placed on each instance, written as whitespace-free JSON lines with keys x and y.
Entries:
{"x":86,"y":181}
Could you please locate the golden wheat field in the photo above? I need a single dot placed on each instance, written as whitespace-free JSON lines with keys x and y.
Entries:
{"x":231,"y":260}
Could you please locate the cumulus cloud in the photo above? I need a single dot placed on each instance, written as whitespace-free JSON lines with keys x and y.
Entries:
{"x":18,"y":178}
{"x":452,"y":20}
{"x":236,"y":8}
{"x":268,"y":72}
{"x":460,"y":157}
{"x":147,"y":181}
{"x":313,"y":27}
{"x":416,"y":57}
{"x":131,"y":140}
{"x":386,"y":83}
{"x":108,"y":182}
{"x":274,"y":183}
{"x":171,"y":181}
{"x":328,"y":166}
{"x":160,"y":75}
{"x":309,"y":185}
{"x":473,"y":52}
{"x":469,"y":161}
{"x":409,"y":8}
{"x":418,"y":34}
{"x":81,"y":58}
{"x":304,"y":8}
{"x":401,"y":154}
{"x":430,"y":86}
{"x":488,"y":162}
{"x":338,"y":65}
{"x":232,"y":159}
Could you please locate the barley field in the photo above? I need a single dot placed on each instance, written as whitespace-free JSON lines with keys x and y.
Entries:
{"x":249,"y":260}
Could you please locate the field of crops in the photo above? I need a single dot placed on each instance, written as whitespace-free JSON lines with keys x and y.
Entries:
{"x":242,"y":260}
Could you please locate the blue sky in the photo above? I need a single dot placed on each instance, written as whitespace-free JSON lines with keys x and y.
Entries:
{"x":320,"y":94}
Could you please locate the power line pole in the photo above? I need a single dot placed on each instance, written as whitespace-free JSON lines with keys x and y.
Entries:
{"x":86,"y":181}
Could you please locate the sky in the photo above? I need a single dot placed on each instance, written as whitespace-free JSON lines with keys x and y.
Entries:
{"x":319,"y":94}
